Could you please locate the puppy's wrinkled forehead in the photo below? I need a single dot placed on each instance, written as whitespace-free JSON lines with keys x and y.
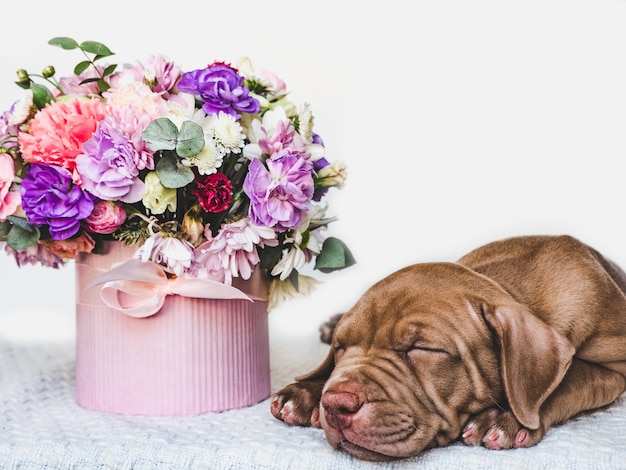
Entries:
{"x":428,"y":295}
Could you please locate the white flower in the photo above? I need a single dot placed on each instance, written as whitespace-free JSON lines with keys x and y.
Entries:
{"x":279,"y":291}
{"x":305,"y":122}
{"x":22,"y":109}
{"x":226,"y":132}
{"x":174,"y":254}
{"x":298,"y":255}
{"x":334,"y":174}
{"x":208,"y":160}
{"x":274,"y":86}
{"x":295,"y":259}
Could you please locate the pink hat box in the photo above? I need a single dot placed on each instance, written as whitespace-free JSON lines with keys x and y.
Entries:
{"x":193,"y":356}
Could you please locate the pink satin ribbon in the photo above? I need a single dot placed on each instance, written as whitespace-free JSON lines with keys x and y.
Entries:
{"x":139,"y":289}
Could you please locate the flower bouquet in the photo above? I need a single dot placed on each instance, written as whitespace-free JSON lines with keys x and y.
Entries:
{"x":210,"y":175}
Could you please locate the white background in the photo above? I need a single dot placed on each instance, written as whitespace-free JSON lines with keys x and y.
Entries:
{"x":461,"y":122}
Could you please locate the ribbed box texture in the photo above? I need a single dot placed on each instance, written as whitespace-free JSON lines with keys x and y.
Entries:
{"x":193,"y":356}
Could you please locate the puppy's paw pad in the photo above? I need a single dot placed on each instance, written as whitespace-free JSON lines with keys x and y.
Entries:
{"x":476,"y":429}
{"x":494,"y":428}
{"x":298,"y":404}
{"x":528,"y":438}
{"x":286,"y":411}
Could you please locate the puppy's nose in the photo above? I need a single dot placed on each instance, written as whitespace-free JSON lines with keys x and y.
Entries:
{"x":340,"y":407}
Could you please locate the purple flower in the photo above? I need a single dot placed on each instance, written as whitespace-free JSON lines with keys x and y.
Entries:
{"x":317,"y":166}
{"x":108,"y":168}
{"x":280,"y":196}
{"x":50,"y":198}
{"x":221,"y":89}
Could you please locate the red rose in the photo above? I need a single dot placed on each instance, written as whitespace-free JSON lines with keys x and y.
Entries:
{"x":214,"y":192}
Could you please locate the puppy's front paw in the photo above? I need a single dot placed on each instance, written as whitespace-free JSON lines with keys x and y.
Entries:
{"x":498,"y":429}
{"x":298,"y":403}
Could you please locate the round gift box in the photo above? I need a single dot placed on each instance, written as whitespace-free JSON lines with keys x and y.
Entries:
{"x":193,"y":356}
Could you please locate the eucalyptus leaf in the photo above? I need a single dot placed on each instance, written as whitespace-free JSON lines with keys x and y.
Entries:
{"x":22,"y":223}
{"x":161,"y":134}
{"x":41,"y":95}
{"x":190,"y":140}
{"x":172,"y":173}
{"x":63,"y":42}
{"x":20,"y":239}
{"x":4,"y":228}
{"x":335,"y":255}
{"x":95,"y":48}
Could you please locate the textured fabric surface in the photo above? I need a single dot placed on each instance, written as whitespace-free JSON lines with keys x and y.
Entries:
{"x":41,"y":427}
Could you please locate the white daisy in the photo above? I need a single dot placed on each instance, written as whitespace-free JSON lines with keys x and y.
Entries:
{"x":208,"y":160}
{"x":227,"y":132}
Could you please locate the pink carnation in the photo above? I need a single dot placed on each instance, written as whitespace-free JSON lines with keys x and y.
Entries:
{"x":8,"y":200}
{"x":131,"y":125}
{"x":58,"y":131}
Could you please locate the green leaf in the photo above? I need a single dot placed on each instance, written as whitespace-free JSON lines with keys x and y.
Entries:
{"x":270,"y":256}
{"x":22,"y":222}
{"x":334,"y":255}
{"x":172,"y":173}
{"x":4,"y":228}
{"x":109,"y":70}
{"x":97,"y":48}
{"x":160,"y":134}
{"x":89,"y":80}
{"x":81,"y":67}
{"x":20,"y":239}
{"x":63,"y":42}
{"x":103,"y":86}
{"x":190,"y":140}
{"x":41,"y":95}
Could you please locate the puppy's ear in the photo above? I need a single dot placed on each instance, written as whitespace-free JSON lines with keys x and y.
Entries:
{"x":534,"y":358}
{"x":322,"y":371}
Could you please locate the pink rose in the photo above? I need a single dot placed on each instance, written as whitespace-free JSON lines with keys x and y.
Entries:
{"x":9,"y":201}
{"x":106,"y":217}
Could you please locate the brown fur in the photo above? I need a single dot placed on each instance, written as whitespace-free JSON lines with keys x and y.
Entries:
{"x":494,"y":349}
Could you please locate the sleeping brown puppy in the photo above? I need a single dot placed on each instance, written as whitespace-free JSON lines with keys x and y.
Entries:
{"x":515,"y":337}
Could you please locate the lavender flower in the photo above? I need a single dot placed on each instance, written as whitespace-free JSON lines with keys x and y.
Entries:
{"x":108,"y":167}
{"x":50,"y":198}
{"x":221,"y":89}
{"x":279,"y":194}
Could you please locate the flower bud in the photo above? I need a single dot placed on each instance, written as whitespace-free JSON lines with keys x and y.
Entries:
{"x":22,"y":77}
{"x":192,"y":225}
{"x":48,"y":71}
{"x":332,"y":175}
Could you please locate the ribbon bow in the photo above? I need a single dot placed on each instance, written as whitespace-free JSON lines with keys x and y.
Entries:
{"x":138,"y":289}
